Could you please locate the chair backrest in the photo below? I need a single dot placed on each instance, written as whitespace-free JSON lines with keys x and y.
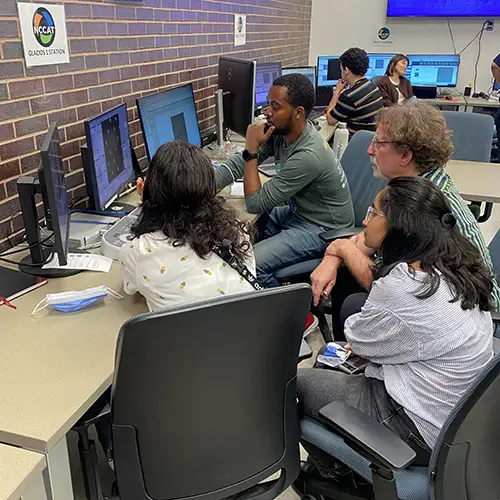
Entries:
{"x":472,"y":135}
{"x":204,"y":398}
{"x":357,"y":167}
{"x":464,"y":464}
{"x":376,"y":79}
{"x":494,"y":248}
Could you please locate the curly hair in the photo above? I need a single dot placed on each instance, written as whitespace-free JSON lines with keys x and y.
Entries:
{"x":300,"y":90}
{"x":180,"y":200}
{"x":394,"y":61}
{"x":421,"y":129}
{"x":356,"y":60}
{"x":421,"y":227}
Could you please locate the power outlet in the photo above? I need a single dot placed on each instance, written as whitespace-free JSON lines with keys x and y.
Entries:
{"x":490,"y":25}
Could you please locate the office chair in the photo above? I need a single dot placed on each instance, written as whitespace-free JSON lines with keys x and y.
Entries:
{"x":472,"y":141}
{"x":203,"y":399}
{"x":494,"y":249}
{"x":376,"y":79}
{"x":464,"y":463}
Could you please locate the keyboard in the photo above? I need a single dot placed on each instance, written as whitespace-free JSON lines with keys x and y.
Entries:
{"x":268,"y":168}
{"x":316,"y":113}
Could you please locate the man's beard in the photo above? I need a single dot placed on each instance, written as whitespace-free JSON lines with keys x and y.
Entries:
{"x":376,"y":172}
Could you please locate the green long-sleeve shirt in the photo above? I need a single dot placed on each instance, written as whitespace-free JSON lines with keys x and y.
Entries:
{"x":310,"y":179}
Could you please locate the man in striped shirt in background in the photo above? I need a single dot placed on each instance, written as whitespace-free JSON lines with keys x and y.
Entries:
{"x":411,"y":140}
{"x":356,"y":100}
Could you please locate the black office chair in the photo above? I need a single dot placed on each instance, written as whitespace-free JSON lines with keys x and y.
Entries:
{"x":464,"y":463}
{"x":203,"y":398}
{"x":472,"y":141}
{"x":494,"y":248}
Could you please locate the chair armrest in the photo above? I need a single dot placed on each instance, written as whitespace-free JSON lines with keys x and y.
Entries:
{"x":103,"y":414}
{"x":337,"y":234}
{"x":369,"y":438}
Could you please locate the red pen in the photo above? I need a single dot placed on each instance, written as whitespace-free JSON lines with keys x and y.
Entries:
{"x":3,"y":301}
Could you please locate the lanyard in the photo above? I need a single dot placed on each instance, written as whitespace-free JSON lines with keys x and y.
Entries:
{"x":225,"y":253}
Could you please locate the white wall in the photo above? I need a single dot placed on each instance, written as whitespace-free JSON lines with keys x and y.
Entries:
{"x":337,"y":25}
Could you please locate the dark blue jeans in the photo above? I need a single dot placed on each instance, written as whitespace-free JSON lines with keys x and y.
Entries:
{"x":285,"y":240}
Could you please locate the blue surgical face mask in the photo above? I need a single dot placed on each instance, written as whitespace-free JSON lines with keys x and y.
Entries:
{"x":75,"y":301}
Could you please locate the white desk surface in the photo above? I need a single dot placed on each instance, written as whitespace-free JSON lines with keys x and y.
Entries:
{"x":18,"y":469}
{"x":482,"y":103}
{"x":476,"y":181}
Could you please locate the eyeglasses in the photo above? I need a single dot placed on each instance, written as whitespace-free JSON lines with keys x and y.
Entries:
{"x":376,"y":142}
{"x":371,"y":212}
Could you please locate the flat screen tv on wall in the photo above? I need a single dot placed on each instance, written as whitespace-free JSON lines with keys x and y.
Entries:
{"x":443,"y":8}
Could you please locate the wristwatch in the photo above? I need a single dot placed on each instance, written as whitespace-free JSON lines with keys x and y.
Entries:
{"x":247,"y":156}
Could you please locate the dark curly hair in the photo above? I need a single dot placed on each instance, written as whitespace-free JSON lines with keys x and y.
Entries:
{"x":356,"y":60}
{"x":300,"y":90}
{"x":180,"y":200}
{"x":420,"y":227}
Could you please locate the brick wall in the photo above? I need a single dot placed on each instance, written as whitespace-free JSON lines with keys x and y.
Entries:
{"x":121,"y":51}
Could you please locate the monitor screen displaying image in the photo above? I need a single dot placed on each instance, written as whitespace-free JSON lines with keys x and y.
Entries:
{"x":443,"y":8}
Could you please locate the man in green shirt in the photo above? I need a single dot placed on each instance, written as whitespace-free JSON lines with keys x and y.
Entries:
{"x":310,"y":193}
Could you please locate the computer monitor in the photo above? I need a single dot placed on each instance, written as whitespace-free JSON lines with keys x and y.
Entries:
{"x":107,"y":158}
{"x":433,"y":70}
{"x":329,"y":72}
{"x":237,"y":82}
{"x":265,"y":74}
{"x":167,"y":116}
{"x":378,"y":64}
{"x":309,"y":71}
{"x":51,"y":185}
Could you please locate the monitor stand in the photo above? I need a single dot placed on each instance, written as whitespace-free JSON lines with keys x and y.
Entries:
{"x":26,"y":266}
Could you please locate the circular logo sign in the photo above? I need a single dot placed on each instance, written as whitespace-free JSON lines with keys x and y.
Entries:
{"x":384,"y":33}
{"x":240,"y":24}
{"x":44,"y":28}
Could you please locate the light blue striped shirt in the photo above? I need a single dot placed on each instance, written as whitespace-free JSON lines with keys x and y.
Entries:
{"x":427,"y":351}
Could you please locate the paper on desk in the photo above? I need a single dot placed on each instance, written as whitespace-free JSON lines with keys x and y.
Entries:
{"x":237,"y":190}
{"x":83,"y":261}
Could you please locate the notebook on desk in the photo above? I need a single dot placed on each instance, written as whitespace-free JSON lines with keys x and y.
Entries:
{"x":13,"y":284}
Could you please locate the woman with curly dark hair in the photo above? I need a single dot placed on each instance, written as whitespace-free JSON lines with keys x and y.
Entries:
{"x":171,"y":261}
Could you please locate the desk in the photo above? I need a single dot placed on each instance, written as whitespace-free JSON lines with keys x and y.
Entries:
{"x":482,"y":103}
{"x":456,"y":102}
{"x":476,"y":181}
{"x":21,"y":474}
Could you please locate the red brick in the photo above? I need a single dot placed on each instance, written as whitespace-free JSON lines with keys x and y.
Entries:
{"x":9,"y":169}
{"x":86,"y":79}
{"x":63,"y":117}
{"x":16,"y":148}
{"x":74,"y":180}
{"x":75,"y":97}
{"x":75,"y":131}
{"x":121,"y":89}
{"x":6,"y":132}
{"x":25,"y":88}
{"x":138,"y":85}
{"x":9,"y":207}
{"x":31,"y":125}
{"x":129,"y":72}
{"x":11,"y":187}
{"x":70,"y":148}
{"x":109,"y":75}
{"x":75,"y":163}
{"x":58,"y":83}
{"x":111,"y":103}
{"x":88,"y":111}
{"x":45,"y":103}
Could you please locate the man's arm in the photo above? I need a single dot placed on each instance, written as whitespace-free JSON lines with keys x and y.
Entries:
{"x":296,"y":173}
{"x":359,"y":264}
{"x":333,"y":120}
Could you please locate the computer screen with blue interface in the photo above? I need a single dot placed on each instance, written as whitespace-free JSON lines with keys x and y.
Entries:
{"x":111,"y":157}
{"x":328,"y":71}
{"x":433,"y":70}
{"x":309,"y":71}
{"x":443,"y":8}
{"x":167,"y":116}
{"x":265,"y":74}
{"x":378,"y":64}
